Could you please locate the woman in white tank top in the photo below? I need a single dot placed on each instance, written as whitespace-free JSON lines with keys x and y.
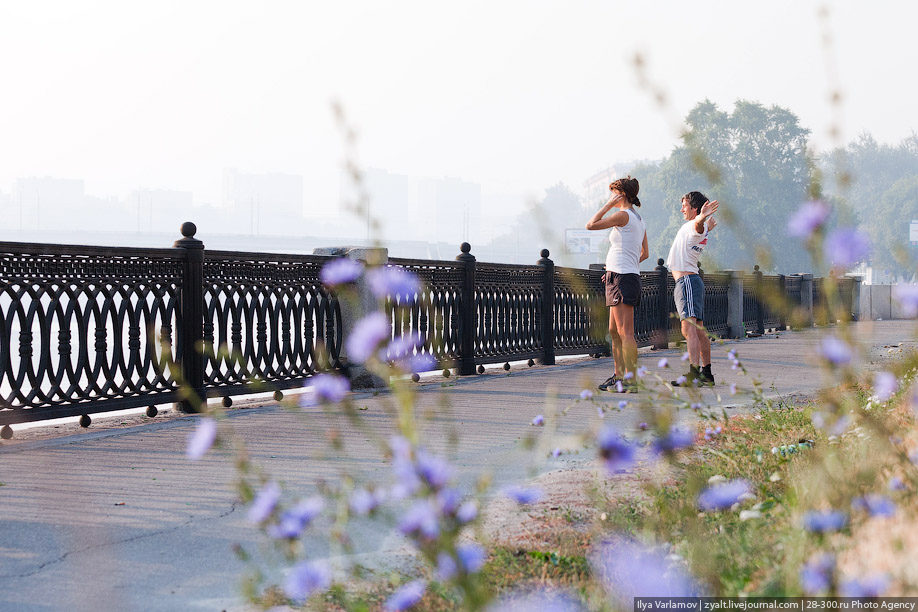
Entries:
{"x":627,"y":249}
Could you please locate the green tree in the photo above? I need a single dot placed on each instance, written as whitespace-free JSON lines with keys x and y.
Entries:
{"x":888,"y":225}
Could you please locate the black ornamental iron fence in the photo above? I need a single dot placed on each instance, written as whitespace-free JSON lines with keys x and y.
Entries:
{"x":85,"y":329}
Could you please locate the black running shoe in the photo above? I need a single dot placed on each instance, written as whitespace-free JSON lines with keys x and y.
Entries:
{"x":692,"y":378}
{"x":705,"y":378}
{"x":609,"y":384}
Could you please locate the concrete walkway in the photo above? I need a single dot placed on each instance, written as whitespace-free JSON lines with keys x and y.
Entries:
{"x":118,"y":519}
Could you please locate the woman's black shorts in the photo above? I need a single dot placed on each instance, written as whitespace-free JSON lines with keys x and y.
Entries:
{"x":622,"y":289}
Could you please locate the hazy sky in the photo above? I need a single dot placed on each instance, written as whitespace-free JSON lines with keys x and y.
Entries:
{"x":515,"y":95}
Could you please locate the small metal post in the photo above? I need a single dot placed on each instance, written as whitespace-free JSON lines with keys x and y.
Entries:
{"x":191,"y":327}
{"x":783,"y":304}
{"x":735,"y":327}
{"x":759,"y":301}
{"x":548,"y":309}
{"x":467,"y":312}
{"x":661,"y":334}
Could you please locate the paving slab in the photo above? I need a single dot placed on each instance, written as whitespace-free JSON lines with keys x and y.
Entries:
{"x":116,"y":518}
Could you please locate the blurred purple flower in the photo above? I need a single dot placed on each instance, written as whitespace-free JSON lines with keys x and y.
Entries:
{"x":420,"y":519}
{"x":732,"y":388}
{"x":368,"y":334}
{"x":885,"y":385}
{"x":824,"y":521}
{"x":306,"y":578}
{"x":586,"y":394}
{"x":616,"y":452}
{"x":471,"y":556}
{"x":601,"y":411}
{"x":264,"y":502}
{"x":723,"y":495}
{"x":406,"y":597}
{"x":835,"y":427}
{"x":816,"y":574}
{"x":641,"y":371}
{"x":907,"y":296}
{"x":435,"y":471}
{"x":538,"y":420}
{"x":696,"y":406}
{"x":681,"y":380}
{"x":364,"y":502}
{"x":340,"y":271}
{"x":876,"y":505}
{"x":403,"y":347}
{"x":202,"y":439}
{"x":295,"y":520}
{"x":731,"y":354}
{"x":808,"y":218}
{"x":685,"y":356}
{"x":642,"y":426}
{"x":868,"y":586}
{"x":556,"y":452}
{"x":619,"y":387}
{"x":896,"y":484}
{"x":628,"y":375}
{"x":543,"y":601}
{"x":674,"y":439}
{"x":324,"y":388}
{"x":393,"y":282}
{"x":846,"y":246}
{"x":467,"y":512}
{"x":422,"y":362}
{"x":446,"y":567}
{"x":523,"y":495}
{"x":627,"y":569}
{"x":622,"y":404}
{"x":836,"y":350}
{"x":663,"y":363}
{"x":448,"y":501}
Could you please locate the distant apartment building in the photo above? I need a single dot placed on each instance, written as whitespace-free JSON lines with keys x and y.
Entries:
{"x":596,"y":187}
{"x":47,"y":203}
{"x":159,"y":210}
{"x":264,"y":203}
{"x":412,"y":208}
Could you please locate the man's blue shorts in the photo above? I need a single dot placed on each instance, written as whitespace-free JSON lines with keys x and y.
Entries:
{"x":689,"y":296}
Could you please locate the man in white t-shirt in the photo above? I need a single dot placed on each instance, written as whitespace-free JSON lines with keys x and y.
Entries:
{"x":687,"y":247}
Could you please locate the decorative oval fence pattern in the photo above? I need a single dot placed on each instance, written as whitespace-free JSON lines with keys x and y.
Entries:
{"x":88,"y":329}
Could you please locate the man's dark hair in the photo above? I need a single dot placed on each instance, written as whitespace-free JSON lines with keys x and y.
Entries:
{"x":696,"y":199}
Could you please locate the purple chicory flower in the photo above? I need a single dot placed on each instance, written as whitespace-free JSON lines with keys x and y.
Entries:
{"x":885,"y":385}
{"x":471,"y":557}
{"x":641,"y":371}
{"x":340,"y":272}
{"x":627,"y":569}
{"x":368,"y":334}
{"x":306,"y":578}
{"x":808,"y":218}
{"x":836,"y":350}
{"x":685,"y":356}
{"x":434,"y":471}
{"x":406,"y":596}
{"x":622,"y":404}
{"x":724,"y":495}
{"x":467,"y":512}
{"x":732,"y":388}
{"x":264,"y":503}
{"x":422,"y":362}
{"x":681,"y":380}
{"x":202,"y":439}
{"x":601,"y":411}
{"x":642,"y":426}
{"x":543,"y":601}
{"x":868,"y":586}
{"x":674,"y":439}
{"x":907,"y":296}
{"x":523,"y":495}
{"x":896,"y":484}
{"x":295,"y":520}
{"x":586,"y":394}
{"x":619,"y":387}
{"x":816,"y":574}
{"x":364,"y":502}
{"x":876,"y":505}
{"x":556,"y":452}
{"x":420,"y":519}
{"x":663,"y":363}
{"x":846,"y":246}
{"x":824,"y":521}
{"x":731,"y":354}
{"x":392,"y":281}
{"x":324,"y":388}
{"x":616,"y":452}
{"x":538,"y":420}
{"x":628,"y":375}
{"x":448,"y":501}
{"x":446,"y":567}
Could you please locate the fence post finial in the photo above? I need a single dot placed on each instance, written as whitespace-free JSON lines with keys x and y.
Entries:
{"x":191,"y":325}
